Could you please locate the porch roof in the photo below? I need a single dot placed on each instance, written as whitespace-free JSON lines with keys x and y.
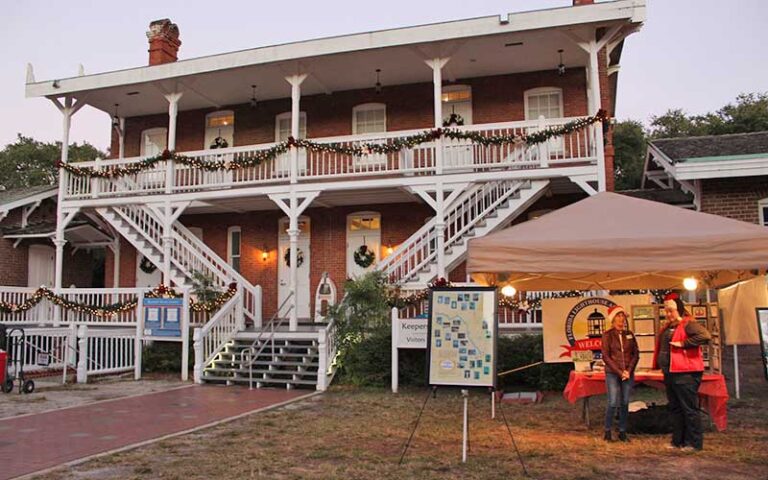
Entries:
{"x":517,"y":42}
{"x":79,"y":233}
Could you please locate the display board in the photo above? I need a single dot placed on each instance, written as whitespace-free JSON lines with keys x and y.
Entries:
{"x":762,"y":325}
{"x":162,"y":317}
{"x":462,"y":337}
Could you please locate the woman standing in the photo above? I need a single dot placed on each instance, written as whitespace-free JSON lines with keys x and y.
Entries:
{"x":620,"y":354}
{"x":678,"y":354}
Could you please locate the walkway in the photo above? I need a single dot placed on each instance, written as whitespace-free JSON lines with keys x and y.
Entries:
{"x":40,"y":441}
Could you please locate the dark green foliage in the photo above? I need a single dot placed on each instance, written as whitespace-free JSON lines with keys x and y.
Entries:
{"x":522,"y":350}
{"x":629,"y":144}
{"x":164,"y":357}
{"x":29,"y":163}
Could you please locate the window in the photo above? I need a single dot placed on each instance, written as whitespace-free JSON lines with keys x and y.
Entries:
{"x":457,"y":99}
{"x":153,"y":141}
{"x":546,"y":102}
{"x":283,"y":126}
{"x":364,"y":222}
{"x":369,"y":118}
{"x":233,"y":247}
{"x":762,"y":206}
{"x":219,"y":129}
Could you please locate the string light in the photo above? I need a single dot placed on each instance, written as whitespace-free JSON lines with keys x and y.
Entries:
{"x":508,"y":291}
{"x":690,"y":284}
{"x":394,"y":145}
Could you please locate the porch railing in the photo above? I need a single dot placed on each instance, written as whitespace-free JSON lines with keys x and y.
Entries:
{"x":457,"y":156}
{"x":217,"y":333}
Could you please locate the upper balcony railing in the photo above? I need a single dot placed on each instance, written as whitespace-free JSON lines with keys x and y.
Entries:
{"x":317,"y":164}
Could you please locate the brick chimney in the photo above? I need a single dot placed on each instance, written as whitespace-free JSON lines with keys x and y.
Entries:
{"x":164,"y":41}
{"x":576,"y":3}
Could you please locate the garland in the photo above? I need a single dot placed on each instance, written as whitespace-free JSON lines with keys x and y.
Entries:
{"x":299,"y":257}
{"x":161,"y":291}
{"x":364,"y":257}
{"x":356,"y":150}
{"x":147,"y":266}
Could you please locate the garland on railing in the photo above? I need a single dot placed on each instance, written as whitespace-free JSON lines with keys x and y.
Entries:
{"x":393,"y":145}
{"x":161,"y":291}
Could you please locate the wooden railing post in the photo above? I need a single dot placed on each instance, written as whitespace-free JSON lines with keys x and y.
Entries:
{"x":82,"y":362}
{"x":322,"y":366}
{"x":543,"y":146}
{"x":197,"y":340}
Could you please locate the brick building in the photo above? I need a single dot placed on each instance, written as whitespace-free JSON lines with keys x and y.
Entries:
{"x":309,"y":160}
{"x":725,"y":175}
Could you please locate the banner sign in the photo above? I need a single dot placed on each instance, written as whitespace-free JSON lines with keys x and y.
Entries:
{"x":462,"y":337}
{"x":577,"y":324}
{"x":162,"y":317}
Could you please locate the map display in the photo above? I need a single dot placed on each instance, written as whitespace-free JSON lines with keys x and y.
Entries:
{"x":462,"y":337}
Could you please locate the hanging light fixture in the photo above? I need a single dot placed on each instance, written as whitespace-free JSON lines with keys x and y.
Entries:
{"x":508,"y":291}
{"x":254,"y":102}
{"x":115,"y":118}
{"x":690,"y":284}
{"x":561,"y":65}
{"x":378,"y":88}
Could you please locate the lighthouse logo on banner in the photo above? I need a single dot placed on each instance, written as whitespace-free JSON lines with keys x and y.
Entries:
{"x":585,"y":324}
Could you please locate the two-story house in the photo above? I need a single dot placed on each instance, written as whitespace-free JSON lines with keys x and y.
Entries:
{"x":289,"y":168}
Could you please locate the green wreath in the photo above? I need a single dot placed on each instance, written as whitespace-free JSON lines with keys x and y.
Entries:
{"x":147,"y":266}
{"x":364,"y":257}
{"x":299,"y":257}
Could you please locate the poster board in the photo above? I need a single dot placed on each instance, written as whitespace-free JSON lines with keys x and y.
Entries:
{"x":162,"y":318}
{"x":566,"y":323}
{"x":461,"y":339}
{"x":762,"y":325}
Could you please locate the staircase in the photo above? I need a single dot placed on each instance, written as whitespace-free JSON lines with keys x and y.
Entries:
{"x":142,"y":227}
{"x":480,"y":210}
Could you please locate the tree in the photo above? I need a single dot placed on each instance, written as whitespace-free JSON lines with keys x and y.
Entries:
{"x":28,"y":162}
{"x":629,"y":145}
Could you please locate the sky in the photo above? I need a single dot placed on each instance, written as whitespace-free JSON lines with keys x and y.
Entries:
{"x":691,"y":54}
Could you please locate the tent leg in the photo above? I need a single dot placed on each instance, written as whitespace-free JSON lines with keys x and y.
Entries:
{"x":736,"y":371}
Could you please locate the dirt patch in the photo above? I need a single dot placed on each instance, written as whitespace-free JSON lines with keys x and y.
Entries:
{"x":359,"y":434}
{"x":50,"y":394}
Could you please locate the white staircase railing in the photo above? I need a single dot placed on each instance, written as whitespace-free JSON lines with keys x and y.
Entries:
{"x":327,"y":349}
{"x":190,"y":254}
{"x":217,"y":333}
{"x":462,"y":216}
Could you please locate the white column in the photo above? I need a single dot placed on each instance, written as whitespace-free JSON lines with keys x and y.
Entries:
{"x":437,"y":64}
{"x":440,"y":230}
{"x":293,"y":282}
{"x":595,"y":104}
{"x":295,"y":81}
{"x":116,"y":263}
{"x":67,"y":112}
{"x":121,"y":139}
{"x":173,"y":110}
{"x":167,"y":243}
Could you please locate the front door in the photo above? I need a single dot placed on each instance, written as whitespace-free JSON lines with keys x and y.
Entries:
{"x":363,"y":228}
{"x":284,"y":269}
{"x":42,"y":266}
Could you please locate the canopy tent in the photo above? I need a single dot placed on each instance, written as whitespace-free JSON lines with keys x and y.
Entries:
{"x":614,"y":242}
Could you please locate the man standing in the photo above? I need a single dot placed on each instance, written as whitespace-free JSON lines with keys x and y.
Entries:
{"x":678,"y":354}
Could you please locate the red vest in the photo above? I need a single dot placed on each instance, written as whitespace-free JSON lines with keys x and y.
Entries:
{"x":681,"y":359}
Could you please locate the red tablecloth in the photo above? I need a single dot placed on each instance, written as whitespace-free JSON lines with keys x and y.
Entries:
{"x":713,"y":393}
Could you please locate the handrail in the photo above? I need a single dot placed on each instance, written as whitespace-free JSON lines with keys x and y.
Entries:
{"x":253,"y":354}
{"x":224,"y":311}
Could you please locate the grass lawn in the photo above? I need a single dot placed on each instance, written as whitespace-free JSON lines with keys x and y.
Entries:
{"x":355,"y":433}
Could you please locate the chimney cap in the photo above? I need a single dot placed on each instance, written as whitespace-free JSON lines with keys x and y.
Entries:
{"x":163,"y":28}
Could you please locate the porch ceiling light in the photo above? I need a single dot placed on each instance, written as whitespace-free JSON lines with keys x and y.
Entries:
{"x":115,"y":118}
{"x":690,"y":284}
{"x":561,"y":65}
{"x":254,"y":102}
{"x":378,"y":88}
{"x":508,"y":291}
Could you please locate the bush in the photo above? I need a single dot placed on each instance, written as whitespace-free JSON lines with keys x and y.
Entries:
{"x":165,"y":357}
{"x":368,"y":363}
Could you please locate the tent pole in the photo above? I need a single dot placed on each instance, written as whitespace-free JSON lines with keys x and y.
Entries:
{"x":736,"y":370}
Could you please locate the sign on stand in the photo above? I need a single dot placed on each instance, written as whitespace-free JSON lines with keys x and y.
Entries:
{"x":164,"y":320}
{"x":406,"y":333}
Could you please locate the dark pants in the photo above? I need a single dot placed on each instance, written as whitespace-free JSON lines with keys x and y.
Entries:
{"x":618,"y":399}
{"x":683,"y":405}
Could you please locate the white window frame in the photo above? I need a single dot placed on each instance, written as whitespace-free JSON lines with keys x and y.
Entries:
{"x":287,"y":115}
{"x":239,"y":256}
{"x":150,"y":131}
{"x":534,"y":92}
{"x":457,"y":88}
{"x":762,"y":206}
{"x":219,"y":113}
{"x":364,"y":107}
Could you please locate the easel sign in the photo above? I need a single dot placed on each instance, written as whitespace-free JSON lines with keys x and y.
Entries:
{"x":164,"y":320}
{"x":461,"y":339}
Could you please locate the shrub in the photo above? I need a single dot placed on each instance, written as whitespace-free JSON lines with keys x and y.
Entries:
{"x":165,"y":357}
{"x":522,"y":350}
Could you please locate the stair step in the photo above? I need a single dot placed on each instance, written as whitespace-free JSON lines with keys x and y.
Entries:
{"x":291,"y":381}
{"x":245,"y":371}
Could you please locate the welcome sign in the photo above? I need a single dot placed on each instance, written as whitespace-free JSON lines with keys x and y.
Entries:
{"x":575,"y":325}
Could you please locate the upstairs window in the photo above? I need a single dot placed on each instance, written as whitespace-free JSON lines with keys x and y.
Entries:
{"x":233,"y":247}
{"x":219,"y":130}
{"x":369,"y":118}
{"x":546,"y":102}
{"x":153,"y":141}
{"x":457,"y":99}
{"x":283,"y":126}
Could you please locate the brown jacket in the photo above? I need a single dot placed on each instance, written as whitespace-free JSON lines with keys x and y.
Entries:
{"x":620,"y":351}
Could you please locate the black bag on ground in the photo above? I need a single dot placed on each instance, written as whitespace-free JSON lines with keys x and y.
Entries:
{"x":651,"y":420}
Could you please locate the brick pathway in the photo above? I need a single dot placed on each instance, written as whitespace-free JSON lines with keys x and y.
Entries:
{"x":32,"y":443}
